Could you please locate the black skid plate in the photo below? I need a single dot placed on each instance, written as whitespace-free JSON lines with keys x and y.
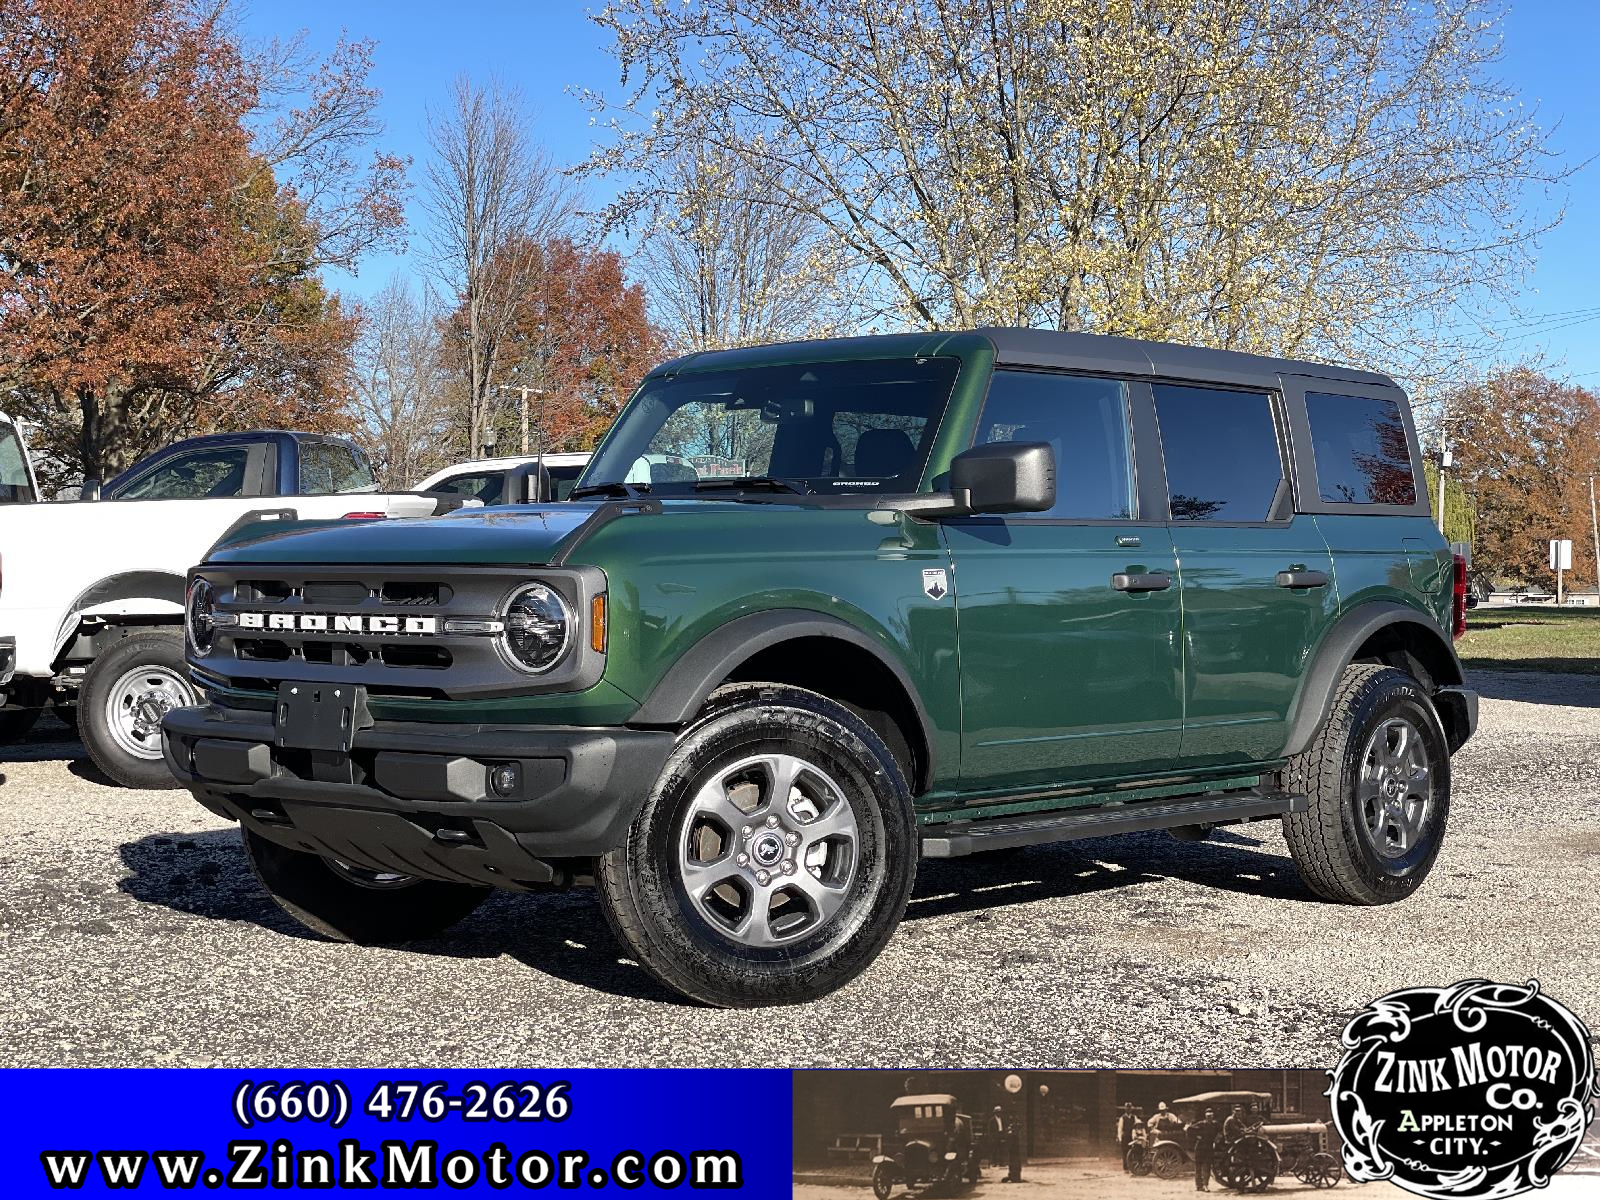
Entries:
{"x":319,"y":716}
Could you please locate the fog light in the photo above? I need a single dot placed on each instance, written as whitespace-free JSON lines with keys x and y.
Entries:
{"x":505,"y":779}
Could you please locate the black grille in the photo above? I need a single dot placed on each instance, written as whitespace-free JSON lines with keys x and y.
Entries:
{"x":429,"y":662}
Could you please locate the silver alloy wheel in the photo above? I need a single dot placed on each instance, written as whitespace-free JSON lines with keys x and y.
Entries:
{"x":768,"y":850}
{"x":1395,"y":789}
{"x":368,"y":878}
{"x":137,"y":702}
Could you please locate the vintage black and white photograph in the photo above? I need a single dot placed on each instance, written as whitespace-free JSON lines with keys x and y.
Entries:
{"x":1128,"y":1135}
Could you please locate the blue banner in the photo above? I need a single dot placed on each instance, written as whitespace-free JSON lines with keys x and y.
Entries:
{"x":156,"y":1131}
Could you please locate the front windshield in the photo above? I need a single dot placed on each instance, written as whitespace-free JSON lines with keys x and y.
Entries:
{"x":822,"y":427}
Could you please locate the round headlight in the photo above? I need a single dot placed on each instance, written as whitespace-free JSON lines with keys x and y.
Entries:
{"x":538,"y":627}
{"x":201,"y":617}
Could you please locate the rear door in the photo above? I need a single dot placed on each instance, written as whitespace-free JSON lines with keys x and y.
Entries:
{"x":1257,"y":578}
{"x":1065,"y":677}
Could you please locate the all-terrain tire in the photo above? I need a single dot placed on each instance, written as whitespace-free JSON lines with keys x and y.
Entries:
{"x":641,"y":881}
{"x":1332,"y":842}
{"x":146,"y":664}
{"x":332,"y":901}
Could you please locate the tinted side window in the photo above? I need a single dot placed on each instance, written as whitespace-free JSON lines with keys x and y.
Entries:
{"x":562,"y":480}
{"x":326,"y":468}
{"x":1221,"y":450}
{"x":15,"y":486}
{"x":485,"y":486}
{"x":1361,"y":450}
{"x":1086,"y":423}
{"x":205,"y":473}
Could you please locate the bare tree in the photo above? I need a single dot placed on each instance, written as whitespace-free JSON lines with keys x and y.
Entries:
{"x":731,"y":264}
{"x":400,"y":387}
{"x":494,"y":197}
{"x":1282,"y":175}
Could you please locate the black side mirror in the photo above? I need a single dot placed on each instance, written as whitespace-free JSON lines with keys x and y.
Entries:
{"x":90,"y":490}
{"x":1004,"y":477}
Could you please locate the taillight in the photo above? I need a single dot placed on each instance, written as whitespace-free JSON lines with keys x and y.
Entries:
{"x":1458,"y":604}
{"x":366,"y":516}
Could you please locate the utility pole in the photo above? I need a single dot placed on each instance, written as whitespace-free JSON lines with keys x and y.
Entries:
{"x":1594,"y":530}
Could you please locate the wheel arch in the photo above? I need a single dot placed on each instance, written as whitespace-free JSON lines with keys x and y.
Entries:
{"x":114,"y":593}
{"x":781,"y":646}
{"x":1387,"y":632}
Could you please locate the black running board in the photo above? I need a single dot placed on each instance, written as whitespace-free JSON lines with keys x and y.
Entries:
{"x":1006,"y":833}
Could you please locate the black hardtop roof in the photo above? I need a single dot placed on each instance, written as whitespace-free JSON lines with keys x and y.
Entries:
{"x":1099,"y":352}
{"x":1044,"y":348}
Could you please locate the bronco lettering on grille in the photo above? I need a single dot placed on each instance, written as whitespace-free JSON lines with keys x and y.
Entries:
{"x":337,"y":623}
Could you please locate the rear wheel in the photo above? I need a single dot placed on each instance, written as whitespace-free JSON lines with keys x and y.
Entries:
{"x":1377,"y":779}
{"x":774,"y":858}
{"x":124,"y":696}
{"x":351,"y":903}
{"x":1324,"y":1170}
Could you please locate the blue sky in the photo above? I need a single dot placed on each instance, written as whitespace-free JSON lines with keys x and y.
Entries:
{"x":546,"y":47}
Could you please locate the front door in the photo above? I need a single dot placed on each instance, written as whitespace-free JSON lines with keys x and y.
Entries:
{"x":1257,"y":579}
{"x":1065,"y":676}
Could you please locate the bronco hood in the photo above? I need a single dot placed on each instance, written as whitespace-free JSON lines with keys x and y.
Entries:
{"x":498,"y":536}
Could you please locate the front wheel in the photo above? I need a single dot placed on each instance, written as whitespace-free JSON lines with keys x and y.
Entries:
{"x":351,"y":903}
{"x":124,"y":696}
{"x":882,"y":1181}
{"x":1377,"y":779}
{"x":774,"y":857}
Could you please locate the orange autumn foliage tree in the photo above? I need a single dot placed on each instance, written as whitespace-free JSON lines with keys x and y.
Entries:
{"x":582,"y":337}
{"x":158,"y":265}
{"x":1524,"y":446}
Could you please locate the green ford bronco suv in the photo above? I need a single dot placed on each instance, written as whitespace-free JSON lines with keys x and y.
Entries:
{"x":821,"y":609}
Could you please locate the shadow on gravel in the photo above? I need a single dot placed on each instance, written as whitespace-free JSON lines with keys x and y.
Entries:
{"x":1225,"y":860}
{"x":51,"y":740}
{"x":1533,"y":686}
{"x":560,"y":934}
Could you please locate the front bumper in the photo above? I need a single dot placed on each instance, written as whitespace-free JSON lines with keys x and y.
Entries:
{"x":417,"y":799}
{"x":8,"y":659}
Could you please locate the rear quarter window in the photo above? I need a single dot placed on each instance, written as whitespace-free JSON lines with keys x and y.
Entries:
{"x":1361,"y":450}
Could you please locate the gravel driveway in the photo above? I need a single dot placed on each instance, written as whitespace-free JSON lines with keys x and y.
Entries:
{"x":133,"y":934}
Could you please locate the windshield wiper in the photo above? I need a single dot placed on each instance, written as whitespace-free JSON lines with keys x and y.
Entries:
{"x":632,"y":491}
{"x":753,"y":482}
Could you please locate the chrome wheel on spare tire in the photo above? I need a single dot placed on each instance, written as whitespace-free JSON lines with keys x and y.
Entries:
{"x":773,"y":858}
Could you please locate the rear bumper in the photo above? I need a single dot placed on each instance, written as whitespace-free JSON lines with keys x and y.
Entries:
{"x":418,"y":799}
{"x":8,"y":659}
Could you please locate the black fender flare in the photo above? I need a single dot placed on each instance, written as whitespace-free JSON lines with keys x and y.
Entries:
{"x":1337,"y":650}
{"x":683,"y":690}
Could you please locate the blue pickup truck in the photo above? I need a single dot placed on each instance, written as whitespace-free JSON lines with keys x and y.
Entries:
{"x":260,"y":462}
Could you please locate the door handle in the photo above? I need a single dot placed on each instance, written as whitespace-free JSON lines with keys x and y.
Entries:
{"x":1301,"y":579}
{"x":1141,"y":581}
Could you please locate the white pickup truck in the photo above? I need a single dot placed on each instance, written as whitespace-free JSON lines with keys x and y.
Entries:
{"x":92,"y":591}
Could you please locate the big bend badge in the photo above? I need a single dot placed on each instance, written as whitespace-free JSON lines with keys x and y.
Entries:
{"x":1477,"y":1090}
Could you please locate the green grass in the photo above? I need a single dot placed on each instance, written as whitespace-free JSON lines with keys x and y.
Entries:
{"x":1532,"y":638}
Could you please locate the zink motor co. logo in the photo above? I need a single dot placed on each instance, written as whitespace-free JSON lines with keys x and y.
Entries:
{"x":1477,"y":1090}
